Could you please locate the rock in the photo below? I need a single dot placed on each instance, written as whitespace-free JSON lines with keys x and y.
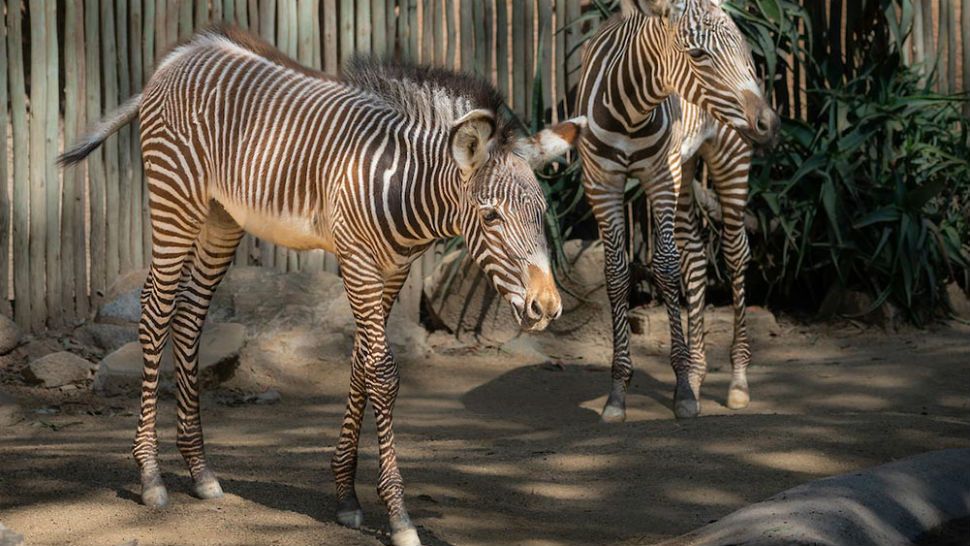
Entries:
{"x":10,"y":538}
{"x":958,"y":300}
{"x":857,"y":305}
{"x":889,"y":504}
{"x":107,"y":337}
{"x":121,"y":370}
{"x":10,"y":411}
{"x":122,"y":309}
{"x":58,"y":369}
{"x":10,"y":335}
{"x":461,"y":299}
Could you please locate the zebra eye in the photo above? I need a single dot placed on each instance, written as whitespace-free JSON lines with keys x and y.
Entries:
{"x":491,"y":216}
{"x":697,"y":53}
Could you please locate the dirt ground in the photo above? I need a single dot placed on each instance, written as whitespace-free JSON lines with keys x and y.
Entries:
{"x":502,"y":447}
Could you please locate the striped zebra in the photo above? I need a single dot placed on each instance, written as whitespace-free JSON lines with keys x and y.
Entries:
{"x":374,"y":166}
{"x":634,"y":69}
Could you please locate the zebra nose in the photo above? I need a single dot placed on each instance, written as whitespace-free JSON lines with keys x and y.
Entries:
{"x":535,"y":309}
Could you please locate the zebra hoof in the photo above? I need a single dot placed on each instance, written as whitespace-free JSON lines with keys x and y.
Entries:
{"x":154,"y":496}
{"x":208,"y":489}
{"x":351,"y":518}
{"x":405,"y":537}
{"x":613,"y":414}
{"x":738,"y":399}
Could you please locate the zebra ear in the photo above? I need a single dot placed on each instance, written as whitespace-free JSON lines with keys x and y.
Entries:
{"x":551,"y":142}
{"x":469,"y":140}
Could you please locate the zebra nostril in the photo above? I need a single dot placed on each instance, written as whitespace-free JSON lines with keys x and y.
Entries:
{"x":535,"y":309}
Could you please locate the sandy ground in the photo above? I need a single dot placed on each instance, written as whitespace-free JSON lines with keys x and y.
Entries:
{"x":500,"y":448}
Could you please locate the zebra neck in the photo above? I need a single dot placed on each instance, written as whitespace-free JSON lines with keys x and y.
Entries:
{"x":639,"y":67}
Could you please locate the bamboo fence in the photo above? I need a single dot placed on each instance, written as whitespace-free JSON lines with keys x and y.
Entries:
{"x":65,"y":236}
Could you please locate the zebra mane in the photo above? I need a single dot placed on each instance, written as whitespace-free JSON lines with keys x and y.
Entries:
{"x":428,"y":93}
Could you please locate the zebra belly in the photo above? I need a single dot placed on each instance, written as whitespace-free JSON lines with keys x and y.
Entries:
{"x":292,"y":231}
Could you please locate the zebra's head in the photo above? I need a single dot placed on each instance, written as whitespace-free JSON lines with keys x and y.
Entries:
{"x":503,"y":210}
{"x":709,"y":63}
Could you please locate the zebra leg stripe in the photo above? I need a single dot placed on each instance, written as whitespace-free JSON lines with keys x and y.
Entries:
{"x":212,"y":254}
{"x":344,"y":461}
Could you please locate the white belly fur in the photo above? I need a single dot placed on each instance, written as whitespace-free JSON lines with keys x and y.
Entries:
{"x":296,"y":232}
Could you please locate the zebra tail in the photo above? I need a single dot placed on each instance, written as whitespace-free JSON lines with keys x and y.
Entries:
{"x":111,"y":124}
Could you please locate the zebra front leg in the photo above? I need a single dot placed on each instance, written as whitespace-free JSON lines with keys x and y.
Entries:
{"x":344,"y":461}
{"x":693,"y":267}
{"x":172,"y":240}
{"x":737,"y":253}
{"x":606,"y":199}
{"x":212,"y":254}
{"x":729,"y":158}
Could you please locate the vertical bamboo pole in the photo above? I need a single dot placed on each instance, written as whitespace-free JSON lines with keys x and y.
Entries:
{"x":363,"y":24}
{"x":466,"y":37}
{"x":558,"y":62}
{"x":440,"y":37}
{"x":172,"y":22}
{"x":95,"y":161}
{"x":943,"y":46}
{"x":229,"y":10}
{"x":378,"y":24}
{"x":6,"y":212}
{"x":55,"y":291}
{"x":390,"y":26}
{"x":929,"y":48}
{"x":21,"y":170}
{"x":965,"y":25}
{"x":201,"y":14}
{"x":347,"y":34}
{"x":267,"y":20}
{"x":161,"y":30}
{"x":185,"y":20}
{"x":109,"y":62}
{"x":304,"y":42}
{"x":242,"y":17}
{"x":217,"y":12}
{"x":450,"y":25}
{"x":413,"y":44}
{"x":520,"y":43}
{"x":572,"y":54}
{"x":951,"y":48}
{"x":427,"y":31}
{"x":546,"y":31}
{"x":330,"y":44}
{"x":483,"y":38}
{"x":148,"y":65}
{"x":38,"y":157}
{"x":502,"y":49}
{"x":254,"y":15}
{"x":124,"y":142}
{"x":75,"y":226}
{"x":404,"y":29}
{"x":315,"y":38}
{"x":137,"y":181}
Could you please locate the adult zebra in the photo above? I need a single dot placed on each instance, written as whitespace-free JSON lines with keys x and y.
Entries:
{"x":374,"y":167}
{"x":633,"y":70}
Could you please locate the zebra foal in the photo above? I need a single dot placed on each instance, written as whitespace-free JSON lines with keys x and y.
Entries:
{"x":373,"y":166}
{"x":633,"y":71}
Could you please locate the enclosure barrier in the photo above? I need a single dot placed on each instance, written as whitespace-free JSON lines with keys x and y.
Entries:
{"x":66,"y":236}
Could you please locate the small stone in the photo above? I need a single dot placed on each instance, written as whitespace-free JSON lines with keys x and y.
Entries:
{"x":10,"y":538}
{"x":218,"y":356}
{"x":10,"y":335}
{"x":10,"y":411}
{"x":271,"y":396}
{"x":959,"y":302}
{"x":59,"y":369}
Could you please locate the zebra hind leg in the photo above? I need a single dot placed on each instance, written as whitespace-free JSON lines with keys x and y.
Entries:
{"x":212,"y":254}
{"x":344,"y":461}
{"x":738,"y":254}
{"x":172,"y":239}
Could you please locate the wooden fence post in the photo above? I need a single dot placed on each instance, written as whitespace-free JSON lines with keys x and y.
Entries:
{"x":6,"y":212}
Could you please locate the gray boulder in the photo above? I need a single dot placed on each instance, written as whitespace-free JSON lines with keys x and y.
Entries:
{"x":121,"y":370}
{"x":107,"y":337}
{"x":122,"y":309}
{"x":10,"y":335}
{"x":57,"y":369}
